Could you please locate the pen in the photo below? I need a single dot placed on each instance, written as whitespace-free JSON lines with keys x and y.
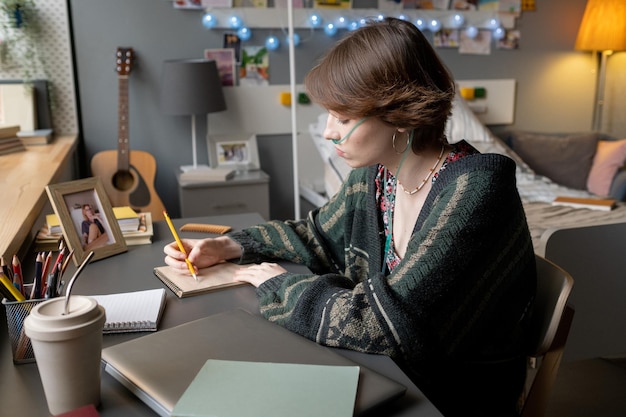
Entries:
{"x":51,"y":290}
{"x":180,"y":245}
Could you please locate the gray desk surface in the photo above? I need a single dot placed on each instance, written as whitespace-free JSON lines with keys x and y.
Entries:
{"x":21,"y":392}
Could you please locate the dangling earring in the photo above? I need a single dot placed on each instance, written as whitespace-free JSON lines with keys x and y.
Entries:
{"x":393,"y":143}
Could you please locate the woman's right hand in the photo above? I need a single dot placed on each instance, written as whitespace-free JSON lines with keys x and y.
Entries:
{"x":201,"y":252}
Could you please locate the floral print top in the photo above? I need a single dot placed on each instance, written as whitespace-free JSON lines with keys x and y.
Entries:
{"x":386,"y":197}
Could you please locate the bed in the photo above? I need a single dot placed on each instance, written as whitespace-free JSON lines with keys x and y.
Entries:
{"x":587,"y":243}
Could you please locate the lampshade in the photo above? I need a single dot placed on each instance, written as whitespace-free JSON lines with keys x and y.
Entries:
{"x":603,"y":26}
{"x":191,"y":86}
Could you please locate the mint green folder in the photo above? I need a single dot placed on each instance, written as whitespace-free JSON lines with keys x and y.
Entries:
{"x":226,"y":388}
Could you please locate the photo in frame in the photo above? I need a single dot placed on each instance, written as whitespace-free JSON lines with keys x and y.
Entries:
{"x":87,"y":219}
{"x":237,"y":151}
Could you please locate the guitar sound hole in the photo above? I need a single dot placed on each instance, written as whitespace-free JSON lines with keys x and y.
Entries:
{"x":123,"y":180}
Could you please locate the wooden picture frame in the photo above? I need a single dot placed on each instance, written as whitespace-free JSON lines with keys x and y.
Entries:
{"x":72,"y":201}
{"x":237,"y":151}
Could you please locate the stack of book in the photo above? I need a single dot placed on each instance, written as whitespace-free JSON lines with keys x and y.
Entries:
{"x":9,"y":142}
{"x":136,"y":228}
{"x":35,"y":137}
{"x":143,"y":234}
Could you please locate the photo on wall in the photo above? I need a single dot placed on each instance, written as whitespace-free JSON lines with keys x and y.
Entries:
{"x":225,"y":60}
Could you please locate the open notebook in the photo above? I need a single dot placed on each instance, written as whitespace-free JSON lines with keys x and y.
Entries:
{"x":159,"y":367}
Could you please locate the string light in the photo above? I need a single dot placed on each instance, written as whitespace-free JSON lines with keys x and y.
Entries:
{"x":457,"y":20}
{"x":499,"y":33}
{"x":420,"y":23}
{"x":434,"y":25}
{"x":330,"y":29}
{"x":315,"y":21}
{"x":296,"y":39}
{"x":454,"y":20}
{"x":244,"y":33}
{"x":209,"y":21}
{"x":272,"y":43}
{"x":471,"y":32}
{"x":235,"y":22}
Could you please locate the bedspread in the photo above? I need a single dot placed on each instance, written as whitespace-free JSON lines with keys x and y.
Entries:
{"x":545,"y":216}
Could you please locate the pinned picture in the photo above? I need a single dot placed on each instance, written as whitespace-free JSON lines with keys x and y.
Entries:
{"x":225,"y":60}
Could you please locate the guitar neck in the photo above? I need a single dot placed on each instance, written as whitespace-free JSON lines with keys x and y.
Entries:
{"x":123,"y":146}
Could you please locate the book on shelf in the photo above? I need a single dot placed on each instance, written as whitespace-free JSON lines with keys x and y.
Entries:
{"x":8,"y":131}
{"x":45,"y":241}
{"x":606,"y":204}
{"x":11,"y":145}
{"x":212,"y":278}
{"x":206,"y":174}
{"x":136,"y":311}
{"x":35,"y":137}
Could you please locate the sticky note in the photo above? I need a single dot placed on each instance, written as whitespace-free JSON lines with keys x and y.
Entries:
{"x":285,"y":99}
{"x":480,"y":92}
{"x":303,"y":98}
{"x":467,"y":93}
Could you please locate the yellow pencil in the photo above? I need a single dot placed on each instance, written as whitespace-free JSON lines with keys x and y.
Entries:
{"x":9,"y":285}
{"x":180,"y":245}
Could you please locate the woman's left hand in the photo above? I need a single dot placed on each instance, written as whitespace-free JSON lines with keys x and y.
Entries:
{"x":257,"y":274}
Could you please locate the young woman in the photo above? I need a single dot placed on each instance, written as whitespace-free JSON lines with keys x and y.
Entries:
{"x":424,"y":255}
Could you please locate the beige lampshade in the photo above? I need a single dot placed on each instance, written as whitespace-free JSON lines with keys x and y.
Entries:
{"x":603,"y":26}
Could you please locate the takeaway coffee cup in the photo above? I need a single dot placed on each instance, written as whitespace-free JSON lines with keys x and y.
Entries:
{"x":68,"y":349}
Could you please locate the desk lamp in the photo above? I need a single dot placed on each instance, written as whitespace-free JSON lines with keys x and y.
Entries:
{"x":191,"y":87}
{"x":603,"y":30}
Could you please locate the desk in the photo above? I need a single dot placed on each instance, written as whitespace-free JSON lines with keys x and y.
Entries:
{"x":21,"y":392}
{"x":23,"y":178}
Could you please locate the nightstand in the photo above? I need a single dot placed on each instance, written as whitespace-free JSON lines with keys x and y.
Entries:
{"x":246,"y":192}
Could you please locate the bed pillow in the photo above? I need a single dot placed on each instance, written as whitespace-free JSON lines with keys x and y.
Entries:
{"x":610,"y":157}
{"x":564,"y":158}
{"x":464,"y":124}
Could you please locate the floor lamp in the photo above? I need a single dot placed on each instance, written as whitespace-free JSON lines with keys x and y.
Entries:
{"x":603,"y":31}
{"x":190,"y":87}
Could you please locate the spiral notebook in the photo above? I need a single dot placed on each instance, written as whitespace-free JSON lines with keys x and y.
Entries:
{"x":212,"y":278}
{"x":137,"y":311}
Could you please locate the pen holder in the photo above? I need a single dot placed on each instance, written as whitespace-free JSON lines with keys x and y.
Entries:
{"x":16,"y":312}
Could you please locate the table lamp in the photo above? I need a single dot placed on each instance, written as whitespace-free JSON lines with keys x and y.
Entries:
{"x":191,"y":87}
{"x":603,"y":30}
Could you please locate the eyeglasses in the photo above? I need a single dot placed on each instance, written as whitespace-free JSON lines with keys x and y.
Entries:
{"x":343,"y":139}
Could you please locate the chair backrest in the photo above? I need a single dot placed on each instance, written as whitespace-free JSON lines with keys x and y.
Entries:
{"x":550,"y":324}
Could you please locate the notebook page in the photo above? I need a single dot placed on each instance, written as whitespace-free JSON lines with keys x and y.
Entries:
{"x":138,"y":310}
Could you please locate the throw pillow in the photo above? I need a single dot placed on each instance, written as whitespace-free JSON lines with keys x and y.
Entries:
{"x":610,"y":156}
{"x":564,"y":158}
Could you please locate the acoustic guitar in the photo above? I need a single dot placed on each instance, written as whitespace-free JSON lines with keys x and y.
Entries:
{"x":127,"y":176}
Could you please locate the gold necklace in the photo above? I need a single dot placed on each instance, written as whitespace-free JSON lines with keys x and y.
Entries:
{"x":419,"y":187}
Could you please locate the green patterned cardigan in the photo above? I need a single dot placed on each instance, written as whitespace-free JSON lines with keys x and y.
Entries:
{"x":457,"y":298}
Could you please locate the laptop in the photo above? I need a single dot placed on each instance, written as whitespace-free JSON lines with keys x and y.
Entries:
{"x":159,"y":367}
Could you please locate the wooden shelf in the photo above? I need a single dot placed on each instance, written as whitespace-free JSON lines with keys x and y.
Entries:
{"x":24,"y":176}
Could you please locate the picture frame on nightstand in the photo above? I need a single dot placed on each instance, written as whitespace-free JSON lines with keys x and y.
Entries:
{"x":237,"y":151}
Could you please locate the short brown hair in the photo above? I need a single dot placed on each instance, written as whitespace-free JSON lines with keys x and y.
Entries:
{"x":386,"y":69}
